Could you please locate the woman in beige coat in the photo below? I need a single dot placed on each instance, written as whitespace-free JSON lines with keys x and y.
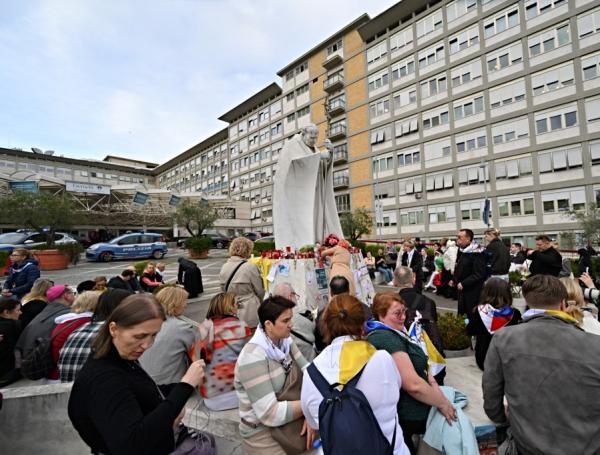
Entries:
{"x":243,"y":278}
{"x":340,"y":263}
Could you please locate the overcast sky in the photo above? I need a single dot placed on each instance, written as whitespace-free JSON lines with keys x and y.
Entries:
{"x":146,"y":79}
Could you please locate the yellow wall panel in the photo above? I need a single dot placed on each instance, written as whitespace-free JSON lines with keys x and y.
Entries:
{"x":352,"y":42}
{"x":355,"y":67}
{"x":358,"y":145}
{"x":315,"y":64}
{"x":356,"y":93}
{"x":362,"y":197}
{"x":360,"y":171}
{"x":358,"y":118}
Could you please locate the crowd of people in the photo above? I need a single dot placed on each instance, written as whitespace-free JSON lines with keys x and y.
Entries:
{"x":135,"y":359}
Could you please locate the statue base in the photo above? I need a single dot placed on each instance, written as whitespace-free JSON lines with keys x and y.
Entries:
{"x":310,"y":279}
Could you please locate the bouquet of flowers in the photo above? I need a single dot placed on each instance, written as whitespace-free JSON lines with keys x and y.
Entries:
{"x":331,"y":240}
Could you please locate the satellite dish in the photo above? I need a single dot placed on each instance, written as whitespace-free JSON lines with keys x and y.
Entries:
{"x":49,"y":152}
{"x":36,"y":150}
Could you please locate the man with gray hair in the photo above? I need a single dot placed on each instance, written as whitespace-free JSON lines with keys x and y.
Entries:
{"x":302,"y":321}
{"x":404,"y":280}
{"x":304,"y":209}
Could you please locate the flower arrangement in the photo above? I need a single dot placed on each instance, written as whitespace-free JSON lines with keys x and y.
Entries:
{"x":331,"y":240}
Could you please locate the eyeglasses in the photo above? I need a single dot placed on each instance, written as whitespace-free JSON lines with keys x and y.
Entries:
{"x":399,"y":313}
{"x":15,"y":255}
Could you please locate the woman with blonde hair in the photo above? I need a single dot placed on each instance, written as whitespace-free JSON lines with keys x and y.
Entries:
{"x":340,"y":262}
{"x":167,"y":360}
{"x":226,"y":336}
{"x":35,"y":301}
{"x":577,"y":307}
{"x":81,"y":313}
{"x":242,"y":277}
{"x":497,"y":254}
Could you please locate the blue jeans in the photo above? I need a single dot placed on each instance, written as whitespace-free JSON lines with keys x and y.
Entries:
{"x":387,"y":273}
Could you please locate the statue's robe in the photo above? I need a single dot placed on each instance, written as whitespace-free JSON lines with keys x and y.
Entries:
{"x":304,"y":209}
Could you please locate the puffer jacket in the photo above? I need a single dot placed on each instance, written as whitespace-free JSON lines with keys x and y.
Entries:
{"x":500,"y":257}
{"x":450,"y":255}
{"x":21,"y":277}
{"x":548,"y":369}
{"x":247,"y":285}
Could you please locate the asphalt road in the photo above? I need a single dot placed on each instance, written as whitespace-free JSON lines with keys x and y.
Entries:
{"x":209,"y":267}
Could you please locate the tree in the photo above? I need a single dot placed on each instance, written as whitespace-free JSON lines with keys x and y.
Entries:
{"x":356,"y":223}
{"x":195,"y":216}
{"x":589,"y":222}
{"x":43,"y":212}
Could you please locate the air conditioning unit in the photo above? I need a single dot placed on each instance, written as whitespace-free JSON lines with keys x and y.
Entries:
{"x":418,"y":195}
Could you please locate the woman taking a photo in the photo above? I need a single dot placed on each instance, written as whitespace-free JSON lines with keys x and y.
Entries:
{"x":264,"y":367}
{"x":114,"y":405}
{"x":387,"y":332}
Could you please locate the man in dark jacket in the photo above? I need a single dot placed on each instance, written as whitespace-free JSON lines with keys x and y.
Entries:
{"x":547,"y":370}
{"x":516,"y":254}
{"x":122,"y":281}
{"x":190,"y":277}
{"x":545,"y":260}
{"x":413,"y":259}
{"x":469,"y":272}
{"x":21,"y":275}
{"x":498,"y":257}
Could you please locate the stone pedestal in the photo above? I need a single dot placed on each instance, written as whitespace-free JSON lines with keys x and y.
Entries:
{"x":311,"y":281}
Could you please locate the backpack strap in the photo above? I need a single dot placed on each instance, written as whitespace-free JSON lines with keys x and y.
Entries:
{"x":323,"y":386}
{"x":233,"y":274}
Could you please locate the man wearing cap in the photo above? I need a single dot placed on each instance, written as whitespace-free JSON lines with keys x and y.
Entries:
{"x":60,"y":298}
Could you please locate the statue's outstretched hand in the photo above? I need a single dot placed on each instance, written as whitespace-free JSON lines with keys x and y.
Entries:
{"x":325,"y":155}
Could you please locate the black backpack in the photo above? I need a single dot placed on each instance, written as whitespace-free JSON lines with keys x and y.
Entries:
{"x":347,"y":424}
{"x":38,"y":363}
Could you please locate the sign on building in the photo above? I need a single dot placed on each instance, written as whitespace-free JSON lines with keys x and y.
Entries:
{"x":140,"y":198}
{"x":90,"y":188}
{"x":30,"y":187}
{"x":174,"y":200}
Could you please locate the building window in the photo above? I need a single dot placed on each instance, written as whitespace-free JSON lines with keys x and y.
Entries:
{"x":430,"y":23}
{"x":405,"y":97}
{"x":389,"y":219}
{"x":289,"y":75}
{"x":466,"y":73}
{"x":595,"y":153}
{"x":431,"y":55}
{"x":513,"y":168}
{"x":560,"y":160}
{"x":290,"y":118}
{"x":407,"y":127}
{"x":590,"y":66}
{"x":302,"y":67}
{"x":403,"y":68}
{"x":401,"y":39}
{"x":332,"y":48}
{"x":377,"y":52}
{"x":563,"y":200}
{"x":549,"y":40}
{"x":384,"y":190}
{"x":516,"y":205}
{"x":263,"y":116}
{"x":379,"y":80}
{"x":276,"y":129}
{"x":547,"y":121}
{"x":408,"y":158}
{"x":253,"y":122}
{"x":504,"y":95}
{"x":439,"y":182}
{"x":302,"y":89}
{"x":302,"y":112}
{"x":410,"y":186}
{"x":501,"y":22}
{"x":384,"y":163}
{"x":290,"y":97}
{"x":411,"y":216}
{"x":505,"y":57}
{"x":588,"y":23}
{"x":434,"y":86}
{"x":471,"y":210}
{"x":463,"y":40}
{"x":381,"y":135}
{"x":342,"y":202}
{"x":510,"y":131}
{"x":472,"y":140}
{"x":437,"y":150}
{"x":379,"y":107}
{"x":458,"y":8}
{"x":441,"y":214}
{"x":534,"y":8}
{"x":473,"y":175}
{"x":552,"y":79}
{"x":592,"y":109}
{"x":466,"y":108}
{"x":436,"y":117}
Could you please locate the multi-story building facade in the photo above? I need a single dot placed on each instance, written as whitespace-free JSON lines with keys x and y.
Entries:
{"x":471,"y":100}
{"x":432,"y":108}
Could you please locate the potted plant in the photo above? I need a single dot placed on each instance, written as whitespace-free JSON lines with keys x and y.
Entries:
{"x":196,"y":217}
{"x":45,"y":213}
{"x":198,"y":247}
{"x":453,"y":332}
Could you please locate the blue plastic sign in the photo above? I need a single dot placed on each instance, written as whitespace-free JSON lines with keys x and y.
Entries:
{"x":140,"y":198}
{"x":30,"y":187}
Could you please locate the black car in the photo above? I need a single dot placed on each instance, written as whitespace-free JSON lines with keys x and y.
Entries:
{"x":219,"y":240}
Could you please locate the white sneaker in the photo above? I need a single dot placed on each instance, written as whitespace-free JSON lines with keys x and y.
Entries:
{"x":391,"y":283}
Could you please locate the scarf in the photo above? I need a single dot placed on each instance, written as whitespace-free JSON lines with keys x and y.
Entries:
{"x":280,"y":354}
{"x":494,"y":319}
{"x":554,"y":313}
{"x":472,"y":248}
{"x":343,"y":359}
{"x":373,"y":325}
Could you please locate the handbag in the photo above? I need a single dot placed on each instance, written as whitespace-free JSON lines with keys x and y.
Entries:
{"x":288,"y":435}
{"x":192,"y":442}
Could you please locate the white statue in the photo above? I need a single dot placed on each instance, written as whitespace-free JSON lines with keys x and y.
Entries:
{"x":304,"y":210}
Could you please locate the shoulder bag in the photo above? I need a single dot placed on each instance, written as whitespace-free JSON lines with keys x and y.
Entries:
{"x":233,"y":274}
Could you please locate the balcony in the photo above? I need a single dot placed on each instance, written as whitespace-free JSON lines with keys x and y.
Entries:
{"x":340,"y":154}
{"x":341,"y":182}
{"x":336,"y":132}
{"x":333,"y":83}
{"x":336,"y":107}
{"x":332,"y":61}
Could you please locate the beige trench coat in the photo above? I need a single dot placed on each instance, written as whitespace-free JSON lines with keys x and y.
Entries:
{"x":247,"y":285}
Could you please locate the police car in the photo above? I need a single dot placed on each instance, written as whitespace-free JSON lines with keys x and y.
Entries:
{"x":129,"y":246}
